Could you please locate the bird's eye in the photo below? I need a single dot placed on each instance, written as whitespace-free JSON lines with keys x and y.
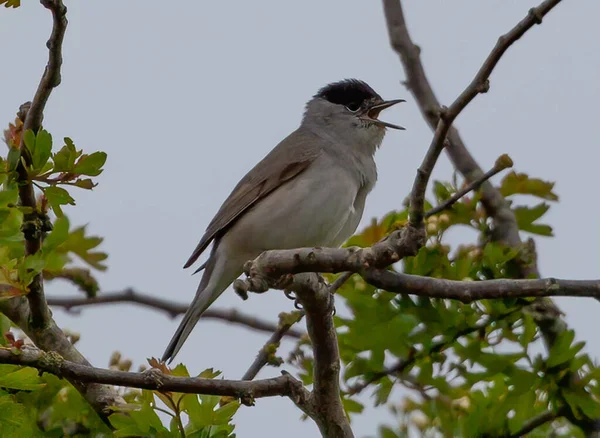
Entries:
{"x":353,"y":107}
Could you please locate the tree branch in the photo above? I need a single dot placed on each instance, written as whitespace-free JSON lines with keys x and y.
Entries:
{"x":535,"y":422}
{"x":479,"y":84}
{"x":172,"y":308}
{"x":316,"y":299}
{"x":32,"y":116}
{"x":265,"y":270}
{"x":505,"y":227}
{"x":154,"y":379}
{"x":469,"y":291}
{"x":52,"y":338}
{"x":32,"y":314}
{"x":503,"y":162}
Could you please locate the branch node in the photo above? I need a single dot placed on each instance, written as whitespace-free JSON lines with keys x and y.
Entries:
{"x":536,"y":15}
{"x":484,"y":87}
{"x":153,"y":376}
{"x":443,"y":113}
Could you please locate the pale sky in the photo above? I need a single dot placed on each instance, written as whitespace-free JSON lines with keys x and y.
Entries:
{"x":186,"y":96}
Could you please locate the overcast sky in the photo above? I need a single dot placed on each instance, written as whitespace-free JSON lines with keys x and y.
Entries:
{"x":186,"y":96}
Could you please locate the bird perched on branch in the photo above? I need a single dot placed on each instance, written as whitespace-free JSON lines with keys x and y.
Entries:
{"x":310,"y":190}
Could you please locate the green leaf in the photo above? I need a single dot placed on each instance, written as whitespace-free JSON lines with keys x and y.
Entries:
{"x":224,"y":414}
{"x":90,"y":165}
{"x":352,"y":406}
{"x":81,"y":245}
{"x":561,"y":351}
{"x":8,"y":196}
{"x":520,"y":183}
{"x":12,"y":158}
{"x":58,"y":196}
{"x":29,"y":140}
{"x":85,"y":183}
{"x":387,"y":432}
{"x":42,"y":151}
{"x":583,"y":401}
{"x":15,"y":420}
{"x":58,"y":235}
{"x":21,"y":378}
{"x":64,"y":160}
{"x":10,"y":3}
{"x":526,"y":217}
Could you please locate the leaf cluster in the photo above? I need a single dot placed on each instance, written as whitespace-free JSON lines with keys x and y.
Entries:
{"x":466,"y":369}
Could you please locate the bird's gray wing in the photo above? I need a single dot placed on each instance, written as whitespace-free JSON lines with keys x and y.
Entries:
{"x":286,"y":161}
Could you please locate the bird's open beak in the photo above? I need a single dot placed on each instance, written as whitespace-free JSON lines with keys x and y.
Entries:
{"x":373,"y":112}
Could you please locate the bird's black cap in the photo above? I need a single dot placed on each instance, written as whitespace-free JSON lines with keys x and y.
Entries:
{"x":348,"y":92}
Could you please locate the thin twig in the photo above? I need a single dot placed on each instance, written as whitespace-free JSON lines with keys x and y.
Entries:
{"x":402,"y":364}
{"x":535,"y":422}
{"x":339,"y":282}
{"x":479,"y":84}
{"x":502,"y":163}
{"x":270,"y":347}
{"x":53,"y":363}
{"x":172,"y":308}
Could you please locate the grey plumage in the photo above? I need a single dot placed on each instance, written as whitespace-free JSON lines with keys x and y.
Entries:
{"x":310,"y":190}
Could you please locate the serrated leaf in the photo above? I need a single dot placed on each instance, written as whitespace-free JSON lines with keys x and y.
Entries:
{"x":352,"y":406}
{"x":10,"y":3}
{"x":560,"y":351}
{"x":58,"y":235}
{"x":58,"y":196}
{"x":64,"y":160}
{"x":520,"y":183}
{"x":90,"y":165}
{"x":526,"y":216}
{"x":584,"y":402}
{"x":20,"y":378}
{"x":85,"y":183}
{"x":15,"y":421}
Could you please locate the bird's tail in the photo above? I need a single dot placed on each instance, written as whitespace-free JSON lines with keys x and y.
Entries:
{"x":208,"y":292}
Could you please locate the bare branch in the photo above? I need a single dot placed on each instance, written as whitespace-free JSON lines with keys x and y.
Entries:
{"x":270,"y":348}
{"x":172,"y":308}
{"x":52,"y":338}
{"x":317,"y":302}
{"x":479,"y":84}
{"x":32,"y":115}
{"x":53,"y":363}
{"x":502,"y":163}
{"x":469,"y":291}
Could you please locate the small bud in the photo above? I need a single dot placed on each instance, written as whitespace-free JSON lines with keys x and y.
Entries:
{"x":503,"y":162}
{"x":115,"y":358}
{"x":432,"y":228}
{"x":462,"y":403}
{"x":444,"y":220}
{"x":420,"y":420}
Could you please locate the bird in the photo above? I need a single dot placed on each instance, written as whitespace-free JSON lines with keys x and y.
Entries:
{"x":309,"y":191}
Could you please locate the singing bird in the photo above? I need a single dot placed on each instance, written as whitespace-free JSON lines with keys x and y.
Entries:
{"x":310,"y":190}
